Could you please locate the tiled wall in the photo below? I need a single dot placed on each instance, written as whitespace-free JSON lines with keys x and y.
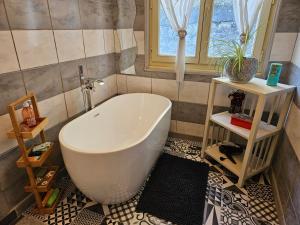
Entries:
{"x":190,"y":100}
{"x":42,"y":42}
{"x":46,"y":40}
{"x":286,"y":164}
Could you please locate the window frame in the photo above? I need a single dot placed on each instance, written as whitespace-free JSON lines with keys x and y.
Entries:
{"x":202,"y":63}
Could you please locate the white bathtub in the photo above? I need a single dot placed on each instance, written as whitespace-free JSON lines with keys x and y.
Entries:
{"x":110,"y":150}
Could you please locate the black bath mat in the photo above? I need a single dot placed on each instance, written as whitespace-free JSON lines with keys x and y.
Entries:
{"x":176,"y":191}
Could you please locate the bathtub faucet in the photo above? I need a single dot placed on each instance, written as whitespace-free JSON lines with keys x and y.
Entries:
{"x":87,"y":88}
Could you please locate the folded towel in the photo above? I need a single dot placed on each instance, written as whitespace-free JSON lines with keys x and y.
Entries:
{"x":52,"y":198}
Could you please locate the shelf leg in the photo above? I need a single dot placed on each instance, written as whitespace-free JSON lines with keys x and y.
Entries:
{"x":212,"y":92}
{"x":255,"y":125}
{"x":37,"y":196}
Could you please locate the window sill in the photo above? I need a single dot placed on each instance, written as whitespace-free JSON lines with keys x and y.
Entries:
{"x":192,"y":71}
{"x":196,"y":71}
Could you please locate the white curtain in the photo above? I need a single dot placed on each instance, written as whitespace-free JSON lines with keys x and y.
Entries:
{"x":246,"y":13}
{"x":178,"y":13}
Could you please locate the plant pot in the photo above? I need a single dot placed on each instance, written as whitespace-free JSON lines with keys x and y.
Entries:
{"x":248,"y":71}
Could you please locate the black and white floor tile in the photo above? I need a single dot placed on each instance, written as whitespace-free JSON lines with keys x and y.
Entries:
{"x":225,"y":203}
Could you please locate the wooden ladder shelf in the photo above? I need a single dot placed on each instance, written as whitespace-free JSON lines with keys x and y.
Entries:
{"x":41,"y":191}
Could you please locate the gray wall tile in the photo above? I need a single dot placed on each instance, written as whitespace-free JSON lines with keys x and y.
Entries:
{"x":29,"y":14}
{"x":9,"y":173}
{"x":3,"y":19}
{"x":11,"y":88}
{"x":199,"y":78}
{"x":290,"y":214}
{"x":127,"y":58}
{"x":139,"y":23}
{"x":4,"y":209}
{"x":290,"y":75}
{"x":45,"y":81}
{"x":163,"y":75}
{"x":56,"y":156}
{"x":295,"y":195}
{"x":191,"y":112}
{"x":289,"y":16}
{"x":64,"y":14}
{"x":101,"y":66}
{"x":174,"y":110}
{"x":140,"y":67}
{"x":97,"y":14}
{"x":126,"y":13}
{"x":294,"y":78}
{"x":287,"y":173}
{"x":70,"y":73}
{"x":15,"y":192}
{"x":289,"y":169}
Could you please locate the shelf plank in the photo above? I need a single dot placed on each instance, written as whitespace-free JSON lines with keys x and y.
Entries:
{"x":43,"y":188}
{"x":213,"y":151}
{"x":33,"y":132}
{"x":223,"y":119}
{"x":257,"y":86}
{"x":35,"y":163}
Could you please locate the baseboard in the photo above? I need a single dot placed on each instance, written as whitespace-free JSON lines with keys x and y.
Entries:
{"x":277,"y":198}
{"x":185,"y":136}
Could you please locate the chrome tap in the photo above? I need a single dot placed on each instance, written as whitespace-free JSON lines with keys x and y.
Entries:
{"x":87,"y":88}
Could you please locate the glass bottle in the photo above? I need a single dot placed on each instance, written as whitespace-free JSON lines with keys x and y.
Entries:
{"x":28,"y":114}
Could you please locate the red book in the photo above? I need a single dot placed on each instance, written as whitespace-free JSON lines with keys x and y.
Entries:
{"x":241,"y":120}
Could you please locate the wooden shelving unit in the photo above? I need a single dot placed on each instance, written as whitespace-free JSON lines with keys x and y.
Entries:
{"x":263,"y":136}
{"x":41,"y":191}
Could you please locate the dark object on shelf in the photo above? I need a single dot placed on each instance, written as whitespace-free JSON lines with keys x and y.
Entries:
{"x":36,"y":153}
{"x":237,"y":98}
{"x":230,"y":151}
{"x":231,"y":159}
{"x":241,"y":120}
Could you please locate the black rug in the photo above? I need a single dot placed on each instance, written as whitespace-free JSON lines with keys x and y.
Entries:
{"x":176,"y":191}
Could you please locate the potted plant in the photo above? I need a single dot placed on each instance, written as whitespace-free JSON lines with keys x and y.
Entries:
{"x":233,"y":61}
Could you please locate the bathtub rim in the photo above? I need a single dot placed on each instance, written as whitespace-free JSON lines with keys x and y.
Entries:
{"x":88,"y":151}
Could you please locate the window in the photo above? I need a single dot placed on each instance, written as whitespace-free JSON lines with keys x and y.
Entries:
{"x":211,"y":21}
{"x":168,"y":39}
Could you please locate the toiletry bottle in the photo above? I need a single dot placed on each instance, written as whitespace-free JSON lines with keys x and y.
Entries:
{"x":274,"y":74}
{"x":28,"y":114}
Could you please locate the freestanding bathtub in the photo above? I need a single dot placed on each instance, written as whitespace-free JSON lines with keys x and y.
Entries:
{"x":110,"y":150}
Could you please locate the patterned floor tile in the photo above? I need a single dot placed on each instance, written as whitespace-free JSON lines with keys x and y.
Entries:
{"x":87,"y":217}
{"x":64,"y":214}
{"x":263,"y":210}
{"x":235,"y":202}
{"x":225,"y":203}
{"x":212,"y":214}
{"x":260,"y":191}
{"x":258,"y":209}
{"x":123,"y":212}
{"x":214,"y":195}
{"x":230,"y":217}
{"x":215,"y":180}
